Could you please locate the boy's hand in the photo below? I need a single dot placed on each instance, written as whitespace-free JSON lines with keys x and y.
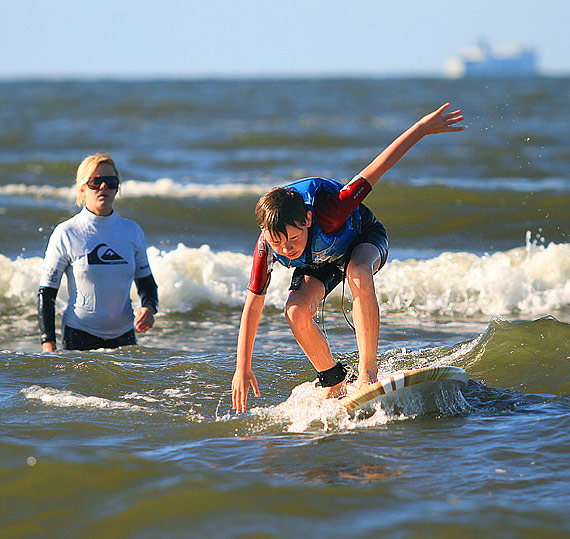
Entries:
{"x":438,"y":122}
{"x":241,"y":383}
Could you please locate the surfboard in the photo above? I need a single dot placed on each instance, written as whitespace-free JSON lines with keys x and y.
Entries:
{"x":396,"y":383}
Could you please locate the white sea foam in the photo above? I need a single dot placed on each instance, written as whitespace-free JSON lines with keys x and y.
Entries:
{"x":18,"y":279}
{"x":306,"y":411}
{"x":188,"y":277}
{"x":169,"y":188}
{"x":57,"y":397}
{"x":521,"y":185}
{"x":534,"y":280}
{"x":140,"y":396}
{"x":162,"y":187}
{"x":37,"y":191}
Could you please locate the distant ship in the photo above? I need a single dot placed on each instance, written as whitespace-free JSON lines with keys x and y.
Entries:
{"x":481,"y":61}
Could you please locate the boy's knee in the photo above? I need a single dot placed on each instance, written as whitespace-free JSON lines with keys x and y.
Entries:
{"x":298,"y":314}
{"x":359,"y":273}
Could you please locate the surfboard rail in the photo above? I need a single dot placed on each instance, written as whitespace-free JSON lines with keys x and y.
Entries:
{"x":392,"y":382}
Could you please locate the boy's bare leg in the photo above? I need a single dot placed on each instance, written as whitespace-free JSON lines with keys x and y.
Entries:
{"x":299,"y":311}
{"x":364,"y":260}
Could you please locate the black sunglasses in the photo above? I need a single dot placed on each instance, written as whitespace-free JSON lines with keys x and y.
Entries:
{"x":94,"y":182}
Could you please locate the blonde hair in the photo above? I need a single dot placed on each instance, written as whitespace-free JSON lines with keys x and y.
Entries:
{"x":87,"y":168}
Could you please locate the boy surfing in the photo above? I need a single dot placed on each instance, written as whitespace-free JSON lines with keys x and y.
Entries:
{"x":320,"y":227}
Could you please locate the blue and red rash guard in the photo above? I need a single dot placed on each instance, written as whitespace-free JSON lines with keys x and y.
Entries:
{"x":331,"y":210}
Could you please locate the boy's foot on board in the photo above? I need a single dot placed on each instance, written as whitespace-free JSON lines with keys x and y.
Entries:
{"x":333,"y":392}
{"x":367,"y":379}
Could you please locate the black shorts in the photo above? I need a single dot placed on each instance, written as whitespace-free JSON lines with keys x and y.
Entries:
{"x":332,"y":273}
{"x":75,"y":339}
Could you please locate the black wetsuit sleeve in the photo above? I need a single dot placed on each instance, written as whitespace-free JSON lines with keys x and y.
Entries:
{"x":46,"y":313}
{"x":148,"y":292}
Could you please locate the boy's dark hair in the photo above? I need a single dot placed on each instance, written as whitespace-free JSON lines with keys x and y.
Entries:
{"x":278,"y":208}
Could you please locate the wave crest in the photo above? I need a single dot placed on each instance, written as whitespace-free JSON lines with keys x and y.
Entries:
{"x":533,"y":280}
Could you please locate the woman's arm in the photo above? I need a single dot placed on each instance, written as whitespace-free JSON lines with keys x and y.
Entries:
{"x":148,"y":292}
{"x":46,"y":317}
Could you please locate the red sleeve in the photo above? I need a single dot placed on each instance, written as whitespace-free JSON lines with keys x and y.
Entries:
{"x":332,"y":210}
{"x":261,"y":269}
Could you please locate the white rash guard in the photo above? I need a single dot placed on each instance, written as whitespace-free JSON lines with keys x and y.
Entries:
{"x":101,"y":257}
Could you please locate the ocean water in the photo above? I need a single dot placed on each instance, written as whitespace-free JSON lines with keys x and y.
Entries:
{"x":142,"y":442}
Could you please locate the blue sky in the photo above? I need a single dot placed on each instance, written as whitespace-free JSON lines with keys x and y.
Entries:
{"x":187,"y":38}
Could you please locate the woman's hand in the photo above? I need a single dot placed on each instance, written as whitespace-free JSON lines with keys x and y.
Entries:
{"x":48,"y":346}
{"x":144,"y":319}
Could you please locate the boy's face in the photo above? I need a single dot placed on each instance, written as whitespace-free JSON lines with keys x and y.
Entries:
{"x":294,"y":244}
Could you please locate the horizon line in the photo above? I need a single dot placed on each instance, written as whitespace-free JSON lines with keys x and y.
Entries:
{"x":92,"y":77}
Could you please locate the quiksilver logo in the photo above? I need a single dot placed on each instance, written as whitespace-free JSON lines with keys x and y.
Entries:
{"x":103,"y":254}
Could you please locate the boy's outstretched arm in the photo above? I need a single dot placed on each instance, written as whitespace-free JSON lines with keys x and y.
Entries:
{"x":243,"y":377}
{"x":435,"y":122}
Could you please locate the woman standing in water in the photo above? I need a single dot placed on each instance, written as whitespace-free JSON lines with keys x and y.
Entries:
{"x":101,"y":255}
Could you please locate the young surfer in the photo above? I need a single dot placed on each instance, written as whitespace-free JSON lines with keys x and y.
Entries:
{"x":322,"y":229}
